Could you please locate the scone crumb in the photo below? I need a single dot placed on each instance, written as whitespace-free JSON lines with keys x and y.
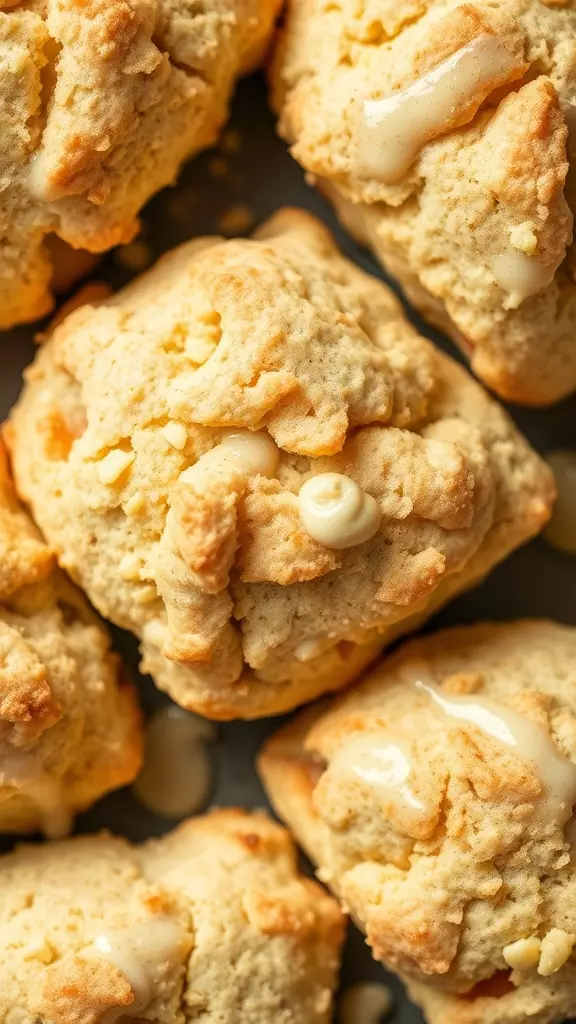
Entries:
{"x":146,"y":595}
{"x":39,"y":949}
{"x":231,"y":141}
{"x":522,"y":237}
{"x":236,"y":219}
{"x":523,"y":954}
{"x":218,"y":167}
{"x":175,"y":434}
{"x":134,"y":256}
{"x":134,"y":504}
{"x":113,"y":465}
{"x":129,"y":567}
{"x":367,"y":1001}
{"x":556,"y":947}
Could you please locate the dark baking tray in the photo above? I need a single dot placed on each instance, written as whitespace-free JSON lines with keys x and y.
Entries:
{"x":536,"y":581}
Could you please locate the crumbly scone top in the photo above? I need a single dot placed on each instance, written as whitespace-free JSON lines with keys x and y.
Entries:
{"x":478,"y":208}
{"x":101,"y":102}
{"x":118,"y":446}
{"x":467,"y":848}
{"x":69,"y":730}
{"x":211,"y":920}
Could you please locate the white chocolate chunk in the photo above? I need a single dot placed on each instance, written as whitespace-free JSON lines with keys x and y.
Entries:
{"x":336,"y":512}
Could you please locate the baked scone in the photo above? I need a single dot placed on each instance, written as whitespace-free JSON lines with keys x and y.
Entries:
{"x":69,"y":722}
{"x":444,"y":134}
{"x":437,"y":799}
{"x":251,"y":460}
{"x":212,"y":922}
{"x":100,"y":103}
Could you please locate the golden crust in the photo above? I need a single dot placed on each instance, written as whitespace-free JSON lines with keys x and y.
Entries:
{"x":69,"y":723}
{"x":215,"y":917}
{"x":210,"y":566}
{"x":496,"y":179}
{"x":441,"y":893}
{"x":102,"y":101}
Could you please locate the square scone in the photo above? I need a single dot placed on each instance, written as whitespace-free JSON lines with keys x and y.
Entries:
{"x":250,"y":459}
{"x":436,"y":799}
{"x":211,"y":922}
{"x":70,"y":727}
{"x":443,"y":133}
{"x":101,"y":101}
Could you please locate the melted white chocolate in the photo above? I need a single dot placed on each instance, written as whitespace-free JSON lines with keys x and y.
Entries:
{"x":384,"y":762}
{"x":176,"y":777}
{"x":137,"y":953}
{"x":529,"y":742}
{"x":520,"y":276}
{"x":336,"y":512}
{"x":364,"y":1003}
{"x":398,"y":126}
{"x":22,"y":772}
{"x":561,"y":530}
{"x":254,"y":452}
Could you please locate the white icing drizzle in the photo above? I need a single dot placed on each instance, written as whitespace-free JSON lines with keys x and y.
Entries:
{"x":398,"y":126}
{"x":529,"y":742}
{"x":254,"y":452}
{"x":520,"y":276}
{"x":336,"y":512}
{"x":137,"y":954}
{"x":176,"y":777}
{"x":364,"y":1003}
{"x":561,"y":530}
{"x":21,"y":771}
{"x":384,"y":762}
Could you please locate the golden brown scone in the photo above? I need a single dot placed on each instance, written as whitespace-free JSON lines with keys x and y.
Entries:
{"x":437,"y":799}
{"x":69,"y":722}
{"x":212,"y":922}
{"x":100,"y":103}
{"x":243,"y":608}
{"x":462,"y":177}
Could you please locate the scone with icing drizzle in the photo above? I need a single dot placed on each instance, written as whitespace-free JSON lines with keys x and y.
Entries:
{"x":69,"y":724}
{"x":250,"y":459}
{"x":100,"y":103}
{"x":443,"y":132}
{"x":437,"y":799}
{"x":212,"y":922}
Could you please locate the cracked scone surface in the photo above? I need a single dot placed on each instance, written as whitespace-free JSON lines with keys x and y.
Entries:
{"x":117,"y":447}
{"x":487,"y":201}
{"x":101,"y":103}
{"x":460,"y":865}
{"x":69,"y":723}
{"x":212,"y":922}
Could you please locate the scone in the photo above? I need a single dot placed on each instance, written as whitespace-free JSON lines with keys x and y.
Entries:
{"x":100,"y":103}
{"x":69,"y":723}
{"x":252,"y":461}
{"x":444,"y":134}
{"x":437,"y":800}
{"x":212,"y":922}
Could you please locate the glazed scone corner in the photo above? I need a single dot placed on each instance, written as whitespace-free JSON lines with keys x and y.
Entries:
{"x":437,"y":800}
{"x":69,"y":724}
{"x":211,"y":922}
{"x":101,"y":102}
{"x":169,"y":439}
{"x":468,"y":199}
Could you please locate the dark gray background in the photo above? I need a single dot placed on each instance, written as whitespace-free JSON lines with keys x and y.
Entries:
{"x":536,"y":580}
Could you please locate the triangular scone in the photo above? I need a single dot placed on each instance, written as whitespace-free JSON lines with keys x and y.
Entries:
{"x":126,"y":443}
{"x":211,"y":922}
{"x":69,"y":723}
{"x":444,"y":134}
{"x":436,"y":799}
{"x":100,"y":103}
